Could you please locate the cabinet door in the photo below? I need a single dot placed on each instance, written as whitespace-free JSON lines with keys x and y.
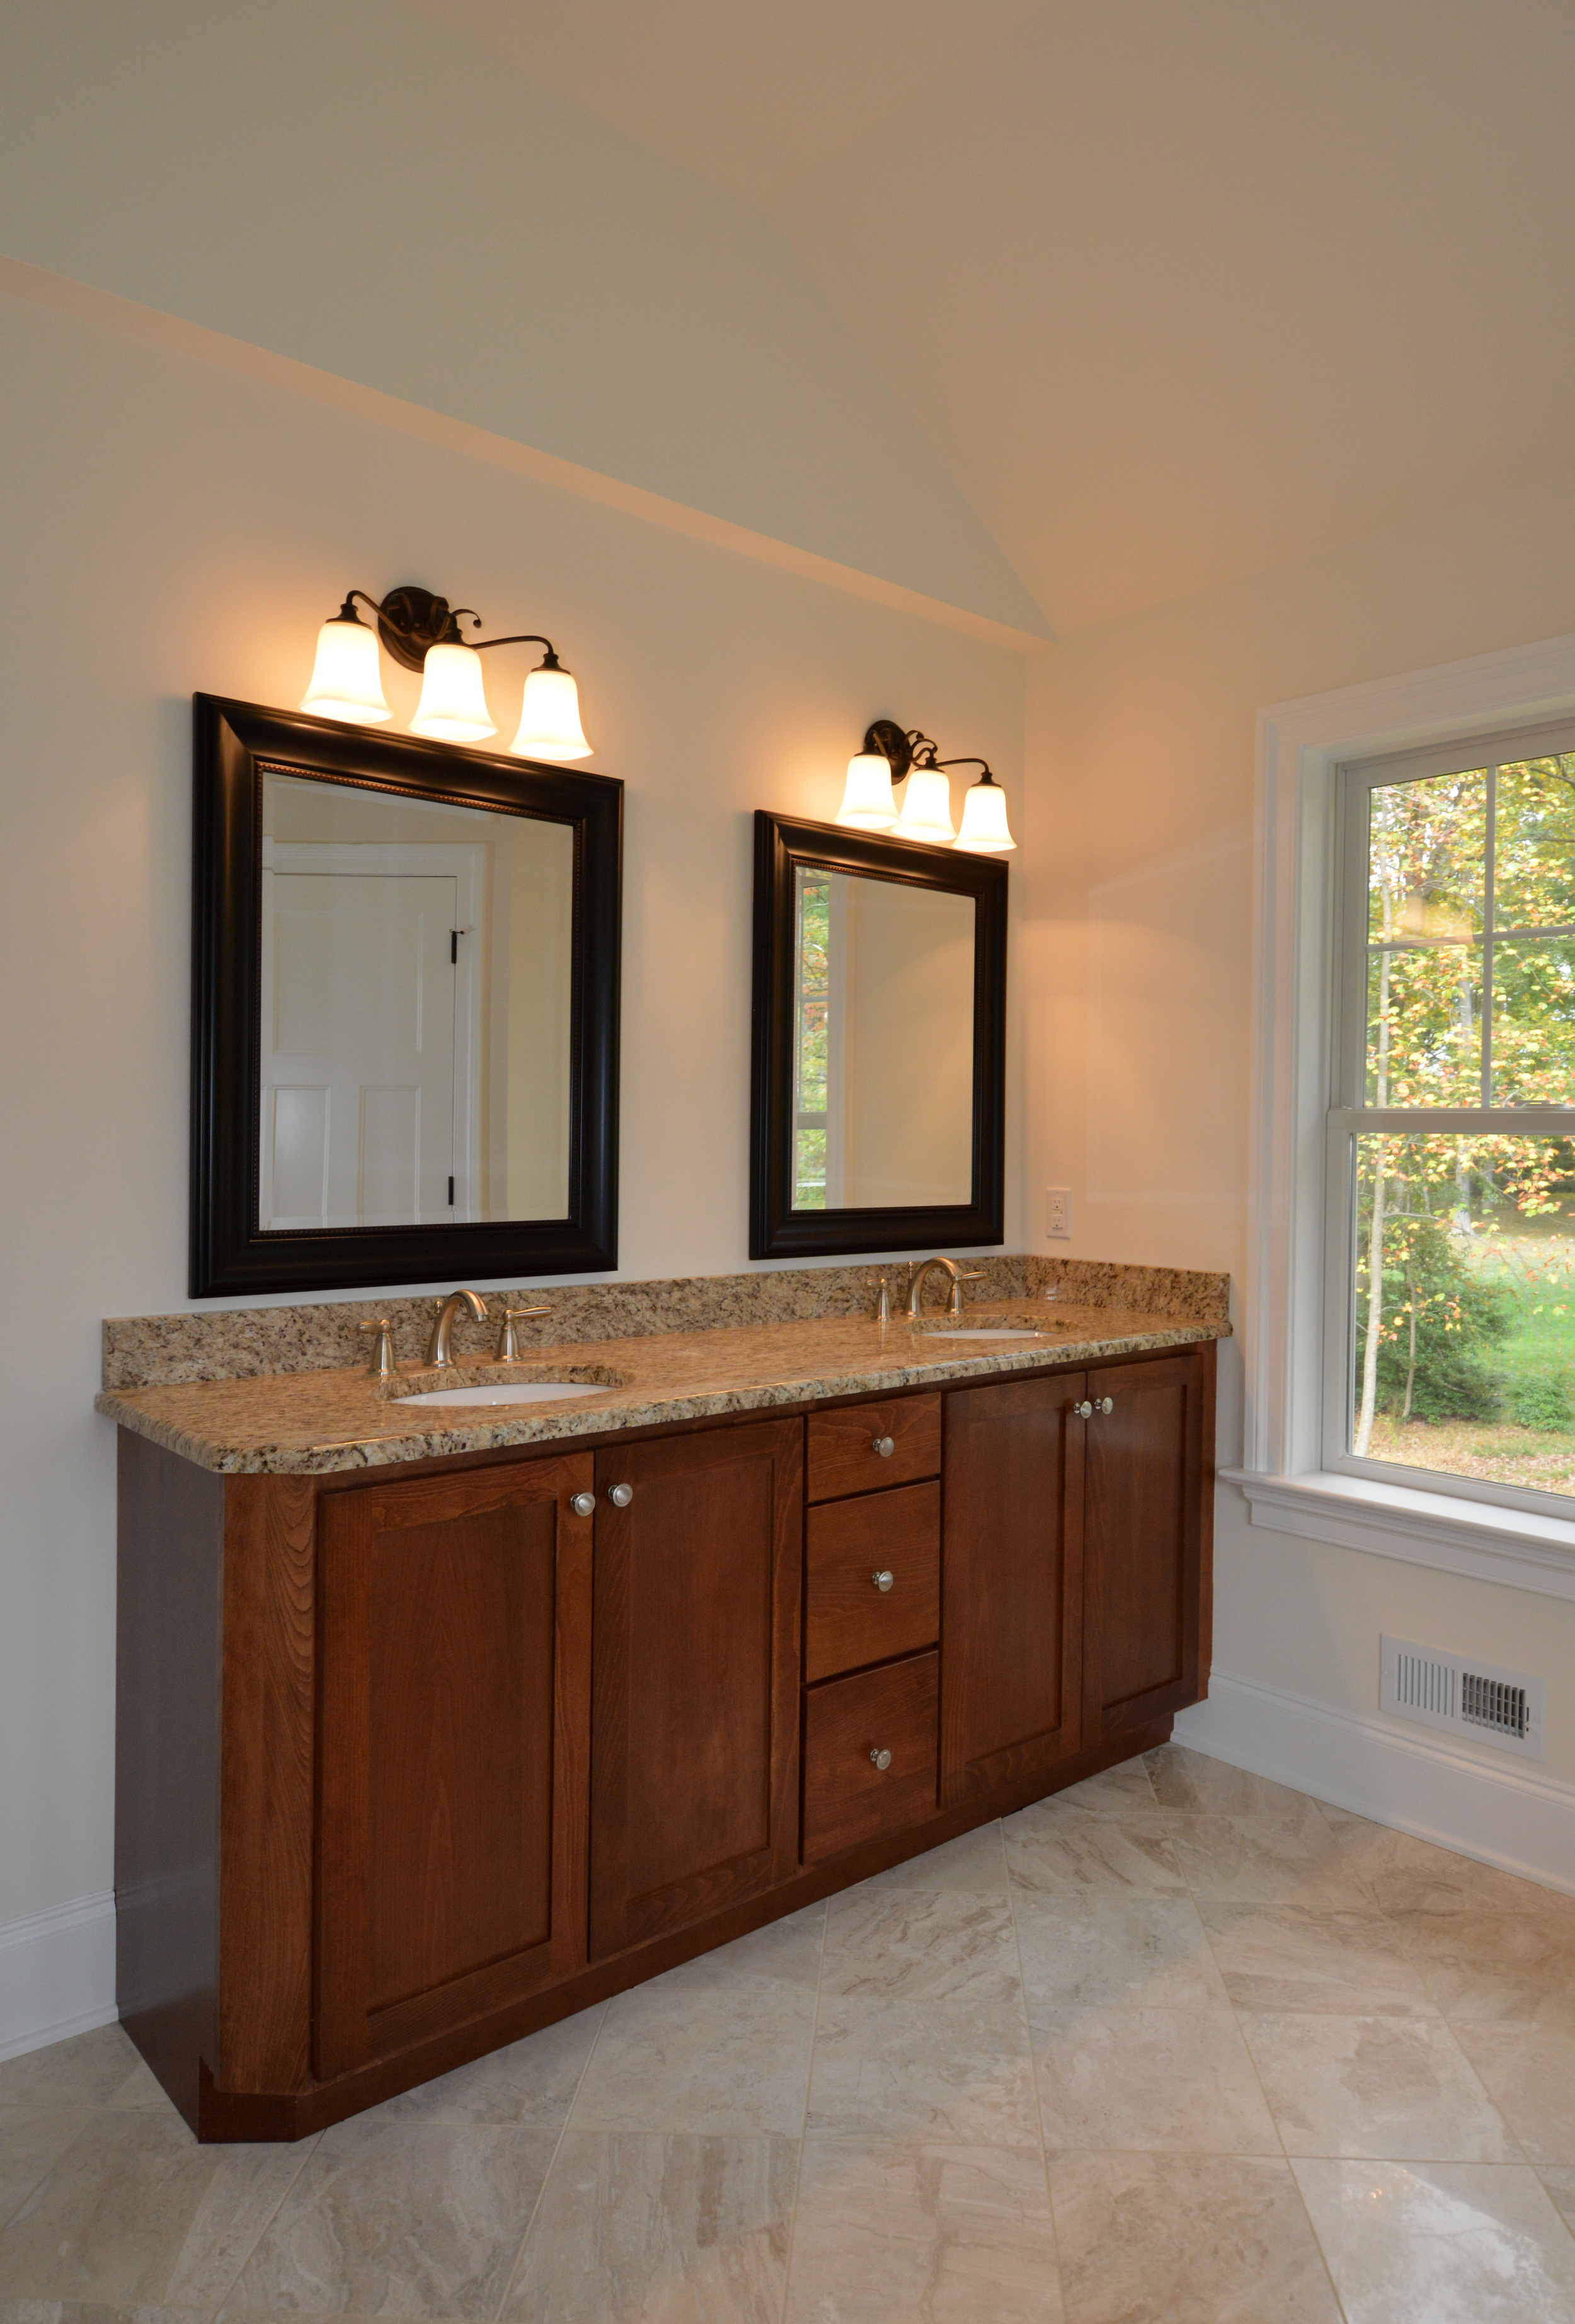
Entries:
{"x":453,"y":1719}
{"x":1011,"y":1607}
{"x":695,"y":1716}
{"x":1142,"y":1542}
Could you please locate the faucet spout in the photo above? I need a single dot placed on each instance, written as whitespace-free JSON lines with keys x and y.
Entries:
{"x":921,"y":1275}
{"x":440,"y":1352}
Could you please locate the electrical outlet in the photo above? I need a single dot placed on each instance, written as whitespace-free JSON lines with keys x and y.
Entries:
{"x":1058,"y":1213}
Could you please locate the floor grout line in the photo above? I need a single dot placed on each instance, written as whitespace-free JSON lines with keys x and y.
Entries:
{"x":804,"y":2121}
{"x":563,"y":2129}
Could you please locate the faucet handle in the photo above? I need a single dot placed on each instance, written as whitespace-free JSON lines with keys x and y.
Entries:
{"x":963,"y":1275}
{"x":508,"y":1343}
{"x":381,"y":1362}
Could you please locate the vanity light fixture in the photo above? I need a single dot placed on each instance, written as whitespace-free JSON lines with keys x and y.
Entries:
{"x":421,"y":632}
{"x":893,"y":755}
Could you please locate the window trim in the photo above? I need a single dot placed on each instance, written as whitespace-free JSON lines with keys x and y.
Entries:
{"x":1300,"y":746}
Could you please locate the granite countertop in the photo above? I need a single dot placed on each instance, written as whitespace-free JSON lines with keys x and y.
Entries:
{"x":305,"y":1423}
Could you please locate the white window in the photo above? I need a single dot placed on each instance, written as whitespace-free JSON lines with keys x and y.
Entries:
{"x":1449,"y":1331}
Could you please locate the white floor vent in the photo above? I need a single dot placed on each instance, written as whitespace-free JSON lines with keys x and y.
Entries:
{"x":1465,"y":1696}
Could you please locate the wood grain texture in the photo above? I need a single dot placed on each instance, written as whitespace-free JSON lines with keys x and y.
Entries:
{"x":694,"y":1757}
{"x":1143,"y":1532}
{"x":840,"y":1455}
{"x":847,"y":1798}
{"x":170,"y":1578}
{"x":266,"y":1863}
{"x":453,"y":1653}
{"x":1011,"y":1622}
{"x":847,"y":1620}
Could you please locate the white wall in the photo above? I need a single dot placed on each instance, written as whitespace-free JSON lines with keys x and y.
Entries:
{"x":340,"y":183}
{"x":172,"y":527}
{"x":1138,"y":935}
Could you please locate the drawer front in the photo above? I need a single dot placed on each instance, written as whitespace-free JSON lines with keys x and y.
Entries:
{"x":843,"y":1454}
{"x":846,"y":1796}
{"x":849,"y":1619}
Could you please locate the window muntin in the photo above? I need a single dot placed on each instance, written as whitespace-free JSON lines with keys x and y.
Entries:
{"x":1452,"y":1139}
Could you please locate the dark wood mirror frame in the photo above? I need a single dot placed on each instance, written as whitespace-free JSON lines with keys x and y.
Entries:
{"x":776,"y":1231}
{"x":234,"y":743}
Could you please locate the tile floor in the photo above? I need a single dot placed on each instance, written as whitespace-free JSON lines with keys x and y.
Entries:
{"x":1179,"y":2047}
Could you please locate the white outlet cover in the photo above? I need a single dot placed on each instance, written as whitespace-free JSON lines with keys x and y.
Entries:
{"x":1058,"y":1213}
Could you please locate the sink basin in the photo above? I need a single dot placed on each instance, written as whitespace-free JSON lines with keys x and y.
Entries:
{"x":1002,"y":1332}
{"x":518,"y":1392}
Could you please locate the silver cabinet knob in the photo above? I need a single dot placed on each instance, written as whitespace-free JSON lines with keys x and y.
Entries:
{"x":1083,"y":1411}
{"x":583,"y":1504}
{"x":883,"y":1578}
{"x":881,"y":1759}
{"x":1104,"y":1404}
{"x":1090,"y":1405}
{"x":620,"y":1496}
{"x":884,"y":1445}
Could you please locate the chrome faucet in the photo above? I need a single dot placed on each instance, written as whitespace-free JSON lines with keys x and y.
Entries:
{"x":439,"y":1351}
{"x":921,"y":1275}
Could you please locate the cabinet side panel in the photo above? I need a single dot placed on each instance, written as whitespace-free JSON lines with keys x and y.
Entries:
{"x":265,"y":1962}
{"x":170,"y":1570}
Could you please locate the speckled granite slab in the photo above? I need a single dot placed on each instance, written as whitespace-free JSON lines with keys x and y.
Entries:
{"x":300,"y":1422}
{"x":161,"y":1350}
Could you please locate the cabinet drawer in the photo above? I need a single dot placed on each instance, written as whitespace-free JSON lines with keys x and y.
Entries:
{"x":843,"y":1454}
{"x":846,"y":1796}
{"x":848,"y":1618}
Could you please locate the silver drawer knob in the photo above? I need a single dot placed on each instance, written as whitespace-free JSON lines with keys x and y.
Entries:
{"x":620,"y":1496}
{"x":1083,"y":1411}
{"x":883,"y":1445}
{"x":881,"y":1759}
{"x":883,"y":1579}
{"x":1104,"y":1404}
{"x":583,"y":1504}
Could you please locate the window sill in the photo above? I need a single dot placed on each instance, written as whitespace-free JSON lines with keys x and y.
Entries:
{"x":1443,"y":1530}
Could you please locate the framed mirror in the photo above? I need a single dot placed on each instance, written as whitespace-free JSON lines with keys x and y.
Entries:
{"x":879,"y":1069}
{"x":404,"y":1008}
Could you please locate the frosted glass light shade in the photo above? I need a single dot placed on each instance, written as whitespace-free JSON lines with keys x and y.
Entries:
{"x":985,"y":830}
{"x":549,"y":717}
{"x":453,"y":707}
{"x":347,"y":676}
{"x":926,"y":807}
{"x":867,"y":801}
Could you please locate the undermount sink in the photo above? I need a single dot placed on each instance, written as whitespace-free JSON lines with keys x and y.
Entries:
{"x":1001,"y":1332}
{"x":516,"y":1392}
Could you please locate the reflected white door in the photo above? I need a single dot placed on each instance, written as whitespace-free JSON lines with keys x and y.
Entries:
{"x":358,"y":1049}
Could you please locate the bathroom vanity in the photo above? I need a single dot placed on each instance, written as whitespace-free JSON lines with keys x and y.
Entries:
{"x":436,"y":1726}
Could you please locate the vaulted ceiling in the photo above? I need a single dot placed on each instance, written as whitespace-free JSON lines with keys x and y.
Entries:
{"x":1178,"y":290}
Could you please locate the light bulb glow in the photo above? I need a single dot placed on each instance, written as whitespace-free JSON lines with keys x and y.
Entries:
{"x":549,"y":718}
{"x":346,"y":676}
{"x":867,"y":801}
{"x":927,"y":808}
{"x":985,"y":830}
{"x":453,"y":707}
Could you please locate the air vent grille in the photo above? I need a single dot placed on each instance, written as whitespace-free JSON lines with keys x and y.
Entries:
{"x":1469,"y":1699}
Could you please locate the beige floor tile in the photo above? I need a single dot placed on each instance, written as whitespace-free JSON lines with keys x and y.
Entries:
{"x":1186,"y":2239}
{"x":415,"y":2218}
{"x":918,"y":1945}
{"x":956,"y":2071}
{"x":635,"y":2227}
{"x":1148,"y":2079}
{"x":1560,"y":2182}
{"x":727,"y":2060}
{"x":1121,"y":1791}
{"x":1442,"y":2243}
{"x":1491,"y":1959}
{"x":1529,"y":2073}
{"x":1306,"y":1958}
{"x":1135,"y":1953}
{"x":1191,"y":1784}
{"x":78,"y":2312}
{"x":974,"y":1865}
{"x":31,"y":2141}
{"x":93,"y":2069}
{"x":531,"y":2084}
{"x":784,"y":1952}
{"x":921,"y":2235}
{"x":1262,"y":1863}
{"x":1395,"y":2086}
{"x":134,"y":2211}
{"x":1055,"y":1851}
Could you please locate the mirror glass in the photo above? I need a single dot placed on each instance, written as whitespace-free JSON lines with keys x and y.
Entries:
{"x":882,"y":1043}
{"x":417,"y":1011}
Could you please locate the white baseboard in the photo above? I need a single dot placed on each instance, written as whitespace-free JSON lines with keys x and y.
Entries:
{"x":1501,"y":1813}
{"x":57,"y":1973}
